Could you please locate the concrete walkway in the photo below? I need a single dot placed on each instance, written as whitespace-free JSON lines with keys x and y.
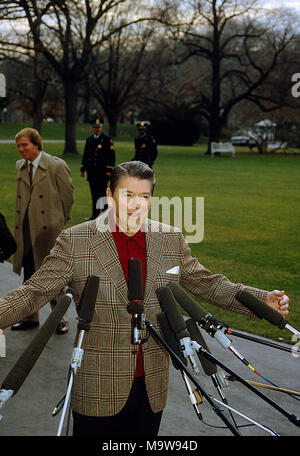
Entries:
{"x":28,"y":413}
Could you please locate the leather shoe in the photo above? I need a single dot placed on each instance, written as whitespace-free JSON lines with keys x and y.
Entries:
{"x":62,"y":328}
{"x":24,"y":325}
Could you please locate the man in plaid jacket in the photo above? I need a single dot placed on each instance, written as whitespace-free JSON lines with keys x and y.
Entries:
{"x":118,"y":389}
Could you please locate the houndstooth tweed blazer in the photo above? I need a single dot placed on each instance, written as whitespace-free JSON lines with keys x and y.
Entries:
{"x":103,"y":382}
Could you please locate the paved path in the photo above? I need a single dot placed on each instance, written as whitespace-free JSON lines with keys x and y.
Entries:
{"x":28,"y":413}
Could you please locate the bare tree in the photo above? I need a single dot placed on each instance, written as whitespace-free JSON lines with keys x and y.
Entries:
{"x":120,"y":71}
{"x":236,"y":55}
{"x":65,"y":32}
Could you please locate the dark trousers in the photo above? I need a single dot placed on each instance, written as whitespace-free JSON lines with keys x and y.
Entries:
{"x":98,"y":190}
{"x":136,"y":419}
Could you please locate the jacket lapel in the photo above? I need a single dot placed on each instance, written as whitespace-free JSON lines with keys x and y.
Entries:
{"x":41,"y":170}
{"x":107,"y":255}
{"x":22,"y":172}
{"x":154,"y":248}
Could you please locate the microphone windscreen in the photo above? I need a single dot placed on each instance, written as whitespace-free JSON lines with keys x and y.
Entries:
{"x":171,"y":340}
{"x":135,"y":285}
{"x":191,"y":306}
{"x":261,"y":309}
{"x":169,"y":306}
{"x":135,"y":307}
{"x":27,"y":360}
{"x":87,"y":303}
{"x":209,"y":367}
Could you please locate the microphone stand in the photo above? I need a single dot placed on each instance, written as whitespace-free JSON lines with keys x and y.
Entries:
{"x":234,"y":332}
{"x":76,"y":360}
{"x":293,"y":418}
{"x":85,"y":315}
{"x":182,"y":366}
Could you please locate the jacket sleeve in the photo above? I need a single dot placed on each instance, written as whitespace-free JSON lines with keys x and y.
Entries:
{"x":214,"y":289}
{"x":85,"y":156}
{"x":111,"y":155}
{"x":45,"y":284}
{"x":65,"y":188}
{"x":153,"y":150}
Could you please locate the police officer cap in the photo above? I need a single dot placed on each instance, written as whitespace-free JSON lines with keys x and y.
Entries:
{"x":97,"y":122}
{"x":143,"y":124}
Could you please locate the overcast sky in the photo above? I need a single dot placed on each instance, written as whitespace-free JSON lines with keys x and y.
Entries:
{"x":295,"y":4}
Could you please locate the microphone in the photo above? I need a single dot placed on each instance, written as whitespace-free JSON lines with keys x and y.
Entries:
{"x":205,"y":319}
{"x":170,"y":339}
{"x":262,"y":310}
{"x":136,"y":298}
{"x":172,"y":342}
{"x":177,"y":324}
{"x":209,"y":367}
{"x":87,"y":303}
{"x":85,"y":311}
{"x":27,"y":360}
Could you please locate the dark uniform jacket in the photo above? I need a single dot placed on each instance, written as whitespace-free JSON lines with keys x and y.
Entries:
{"x":145,"y":149}
{"x":98,"y":157}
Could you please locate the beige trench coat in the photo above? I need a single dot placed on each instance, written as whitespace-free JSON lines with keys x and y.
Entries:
{"x":50,"y":202}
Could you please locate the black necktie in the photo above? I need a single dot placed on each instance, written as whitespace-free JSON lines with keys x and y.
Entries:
{"x":30,"y":173}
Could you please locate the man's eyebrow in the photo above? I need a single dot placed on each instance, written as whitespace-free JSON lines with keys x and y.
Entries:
{"x":142,"y":193}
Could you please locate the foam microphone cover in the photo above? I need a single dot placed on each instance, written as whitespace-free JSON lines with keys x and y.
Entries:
{"x":87,"y":303}
{"x":209,"y":367}
{"x":27,"y":360}
{"x":169,"y":306}
{"x":191,"y":306}
{"x":135,"y":286}
{"x":171,"y":340}
{"x":261,"y":309}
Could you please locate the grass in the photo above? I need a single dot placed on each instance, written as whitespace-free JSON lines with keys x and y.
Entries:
{"x":251,"y":213}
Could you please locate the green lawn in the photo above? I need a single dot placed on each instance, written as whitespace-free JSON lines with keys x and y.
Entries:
{"x":251,"y":206}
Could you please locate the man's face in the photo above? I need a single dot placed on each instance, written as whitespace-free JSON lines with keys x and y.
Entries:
{"x":131,"y":202}
{"x":97,"y":130}
{"x":27,"y":149}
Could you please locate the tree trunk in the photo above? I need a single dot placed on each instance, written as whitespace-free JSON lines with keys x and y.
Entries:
{"x":38,"y":115}
{"x":215,"y":129}
{"x":112,"y":121}
{"x":70,"y":118}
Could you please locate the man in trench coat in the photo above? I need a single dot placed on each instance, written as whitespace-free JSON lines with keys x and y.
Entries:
{"x":117,"y":391}
{"x":43,"y":204}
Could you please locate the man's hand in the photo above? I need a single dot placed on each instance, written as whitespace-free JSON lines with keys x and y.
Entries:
{"x":279,"y":301}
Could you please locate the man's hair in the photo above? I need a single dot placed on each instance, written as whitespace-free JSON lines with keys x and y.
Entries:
{"x":33,"y":136}
{"x":136,"y":169}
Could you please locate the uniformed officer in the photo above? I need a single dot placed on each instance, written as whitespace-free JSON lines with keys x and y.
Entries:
{"x":145,"y":144}
{"x":98,"y":162}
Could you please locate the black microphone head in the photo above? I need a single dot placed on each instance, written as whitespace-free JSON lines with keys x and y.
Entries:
{"x":135,"y":286}
{"x":135,"y":307}
{"x":17,"y":375}
{"x":170,"y":339}
{"x":209,"y":367}
{"x":87,"y":303}
{"x":261,"y":309}
{"x":169,"y":306}
{"x":191,"y":306}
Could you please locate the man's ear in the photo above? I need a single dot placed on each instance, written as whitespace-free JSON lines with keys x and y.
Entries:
{"x":110,"y":200}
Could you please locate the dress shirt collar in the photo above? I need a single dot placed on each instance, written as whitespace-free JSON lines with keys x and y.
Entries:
{"x":138,"y":237}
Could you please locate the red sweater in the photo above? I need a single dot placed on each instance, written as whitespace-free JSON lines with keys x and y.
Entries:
{"x":132,"y":247}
